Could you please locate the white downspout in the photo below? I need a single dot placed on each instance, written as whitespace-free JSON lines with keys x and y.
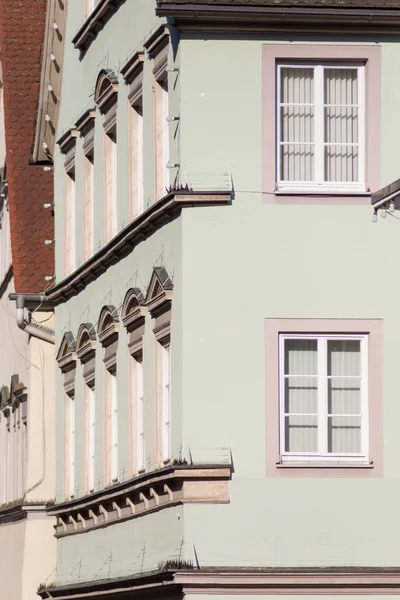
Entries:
{"x":47,"y":335}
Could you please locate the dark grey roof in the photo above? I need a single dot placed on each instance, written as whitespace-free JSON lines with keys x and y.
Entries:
{"x":338,"y":3}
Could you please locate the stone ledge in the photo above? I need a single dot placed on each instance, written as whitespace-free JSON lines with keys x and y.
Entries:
{"x":149,"y":492}
{"x":152,"y":219}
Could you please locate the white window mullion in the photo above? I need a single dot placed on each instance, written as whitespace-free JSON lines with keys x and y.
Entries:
{"x":322,"y":395}
{"x":319,"y":124}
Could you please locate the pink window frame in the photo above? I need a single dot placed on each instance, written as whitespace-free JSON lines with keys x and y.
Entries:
{"x":373,"y":328}
{"x":370,"y":55}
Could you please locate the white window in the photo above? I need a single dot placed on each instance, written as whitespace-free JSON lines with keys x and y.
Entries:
{"x":71,"y":445}
{"x":88,"y":172}
{"x":136,"y":160}
{"x":323,"y":397}
{"x":161,"y":138}
{"x":110,"y":186}
{"x":70,"y":225}
{"x":321,"y":128}
{"x":138,"y":413}
{"x":166,"y":403}
{"x":114,"y":428}
{"x":90,"y":439}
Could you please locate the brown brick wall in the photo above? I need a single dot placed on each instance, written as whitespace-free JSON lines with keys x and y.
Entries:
{"x":22,"y":26}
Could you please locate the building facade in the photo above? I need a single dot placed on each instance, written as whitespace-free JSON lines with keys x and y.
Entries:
{"x":225,"y":394}
{"x":27,"y":545}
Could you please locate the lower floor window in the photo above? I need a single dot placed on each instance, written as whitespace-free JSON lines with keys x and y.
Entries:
{"x":323,"y":397}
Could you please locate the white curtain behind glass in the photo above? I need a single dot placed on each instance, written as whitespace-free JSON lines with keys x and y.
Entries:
{"x":319,"y":124}
{"x":322,"y":396}
{"x":344,"y":396}
{"x":301,"y":396}
{"x":341,"y":124}
{"x":297,"y":124}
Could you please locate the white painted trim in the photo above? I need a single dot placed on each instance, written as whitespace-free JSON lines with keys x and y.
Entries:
{"x":322,"y":454}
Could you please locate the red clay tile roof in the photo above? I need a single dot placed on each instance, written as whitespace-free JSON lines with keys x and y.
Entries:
{"x":22,"y":24}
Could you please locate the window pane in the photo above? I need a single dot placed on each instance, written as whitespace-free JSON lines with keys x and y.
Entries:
{"x":344,"y":357}
{"x":297,"y":124}
{"x":341,"y":124}
{"x":344,"y":396}
{"x":341,"y":163}
{"x":344,"y":435}
{"x":301,"y":395}
{"x":340,"y":86}
{"x":297,"y":162}
{"x":301,"y":434}
{"x":301,"y":357}
{"x":297,"y":85}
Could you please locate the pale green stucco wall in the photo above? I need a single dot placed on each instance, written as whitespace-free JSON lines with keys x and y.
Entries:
{"x":233,"y":267}
{"x":256,"y":260}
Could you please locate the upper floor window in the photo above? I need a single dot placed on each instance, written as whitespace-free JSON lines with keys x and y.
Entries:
{"x":85,"y":126}
{"x":86,"y":352}
{"x":108,"y":336}
{"x":159,"y":303}
{"x":106,"y":95}
{"x":158,"y":49}
{"x":133,"y":75}
{"x":324,"y":397}
{"x":66,"y":358}
{"x":133,"y":317}
{"x":321,"y":127}
{"x":67,"y":145}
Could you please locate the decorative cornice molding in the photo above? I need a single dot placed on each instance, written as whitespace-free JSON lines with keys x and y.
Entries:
{"x":238,"y":580}
{"x":149,"y":492}
{"x":86,"y":121}
{"x":155,"y":217}
{"x":156,"y":42}
{"x":95,"y":22}
{"x":68,"y":140}
{"x":133,"y":67}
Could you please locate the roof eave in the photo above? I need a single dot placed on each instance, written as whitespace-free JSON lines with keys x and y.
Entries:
{"x":282,"y":18}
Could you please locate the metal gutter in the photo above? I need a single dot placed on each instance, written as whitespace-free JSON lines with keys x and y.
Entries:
{"x":363,"y":19}
{"x":33,"y":329}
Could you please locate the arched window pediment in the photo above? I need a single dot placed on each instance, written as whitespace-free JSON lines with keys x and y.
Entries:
{"x":66,"y":355}
{"x":159,"y":293}
{"x":108,"y":325}
{"x":133,"y":309}
{"x":85,"y":341}
{"x":106,"y":89}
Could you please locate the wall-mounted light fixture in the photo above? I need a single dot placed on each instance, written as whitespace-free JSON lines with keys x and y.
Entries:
{"x":49,"y":242}
{"x":171,"y":165}
{"x":172,"y":69}
{"x":170,"y":119}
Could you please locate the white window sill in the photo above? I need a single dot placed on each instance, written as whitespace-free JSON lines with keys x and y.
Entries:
{"x":308,"y":464}
{"x":320,"y":191}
